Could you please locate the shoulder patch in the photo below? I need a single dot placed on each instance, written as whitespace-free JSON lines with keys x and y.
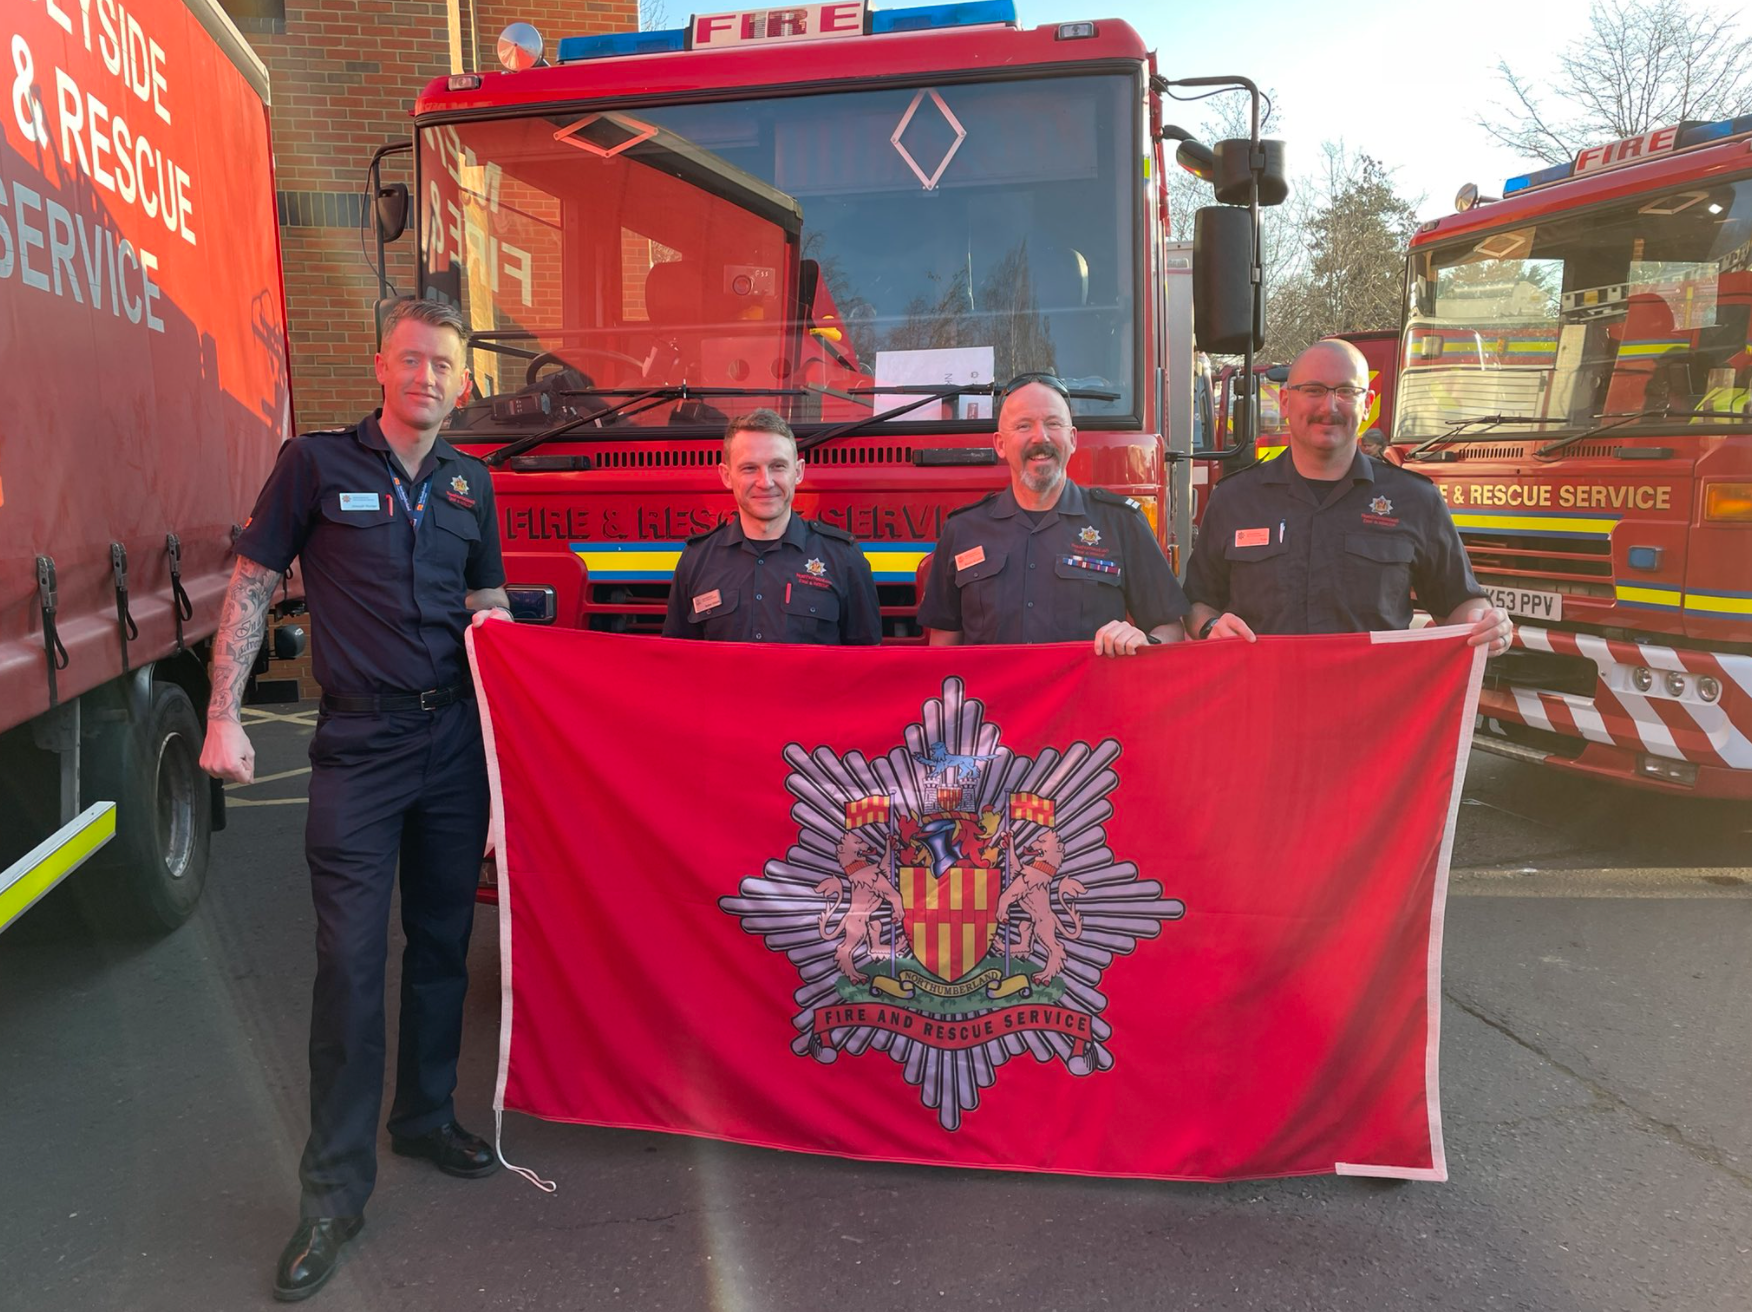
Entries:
{"x":1114,"y":499}
{"x":829,"y":530}
{"x":962,"y":510}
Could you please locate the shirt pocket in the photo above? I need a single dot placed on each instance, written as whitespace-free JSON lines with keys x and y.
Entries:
{"x":812,"y":615}
{"x":1095,"y":595}
{"x":719,"y":621}
{"x":1377,"y":577}
{"x":982,"y":587}
{"x":457,"y":534}
{"x":352,"y":545}
{"x":1256,"y":581}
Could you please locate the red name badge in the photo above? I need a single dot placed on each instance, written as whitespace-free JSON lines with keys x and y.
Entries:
{"x":1252,"y":537}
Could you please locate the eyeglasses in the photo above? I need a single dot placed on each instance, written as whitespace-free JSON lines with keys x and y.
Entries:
{"x":1022,"y":380}
{"x":1320,"y":391}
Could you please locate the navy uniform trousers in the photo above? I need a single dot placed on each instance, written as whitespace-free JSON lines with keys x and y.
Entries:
{"x":413,"y":783}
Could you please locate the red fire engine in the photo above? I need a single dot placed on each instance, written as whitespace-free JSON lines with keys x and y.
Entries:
{"x":863,"y":219}
{"x":1575,"y":379}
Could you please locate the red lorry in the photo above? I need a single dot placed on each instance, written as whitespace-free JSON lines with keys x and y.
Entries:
{"x":1576,"y":379}
{"x":860,"y":218}
{"x":143,"y":334}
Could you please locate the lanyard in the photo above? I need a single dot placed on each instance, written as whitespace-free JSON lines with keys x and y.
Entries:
{"x":417,"y":509}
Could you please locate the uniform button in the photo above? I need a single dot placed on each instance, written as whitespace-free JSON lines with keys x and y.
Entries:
{"x":1031,"y":564}
{"x":812,"y":610}
{"x":1031,"y":605}
{"x":760,"y":560}
{"x":757,"y":596}
{"x":757,"y":637}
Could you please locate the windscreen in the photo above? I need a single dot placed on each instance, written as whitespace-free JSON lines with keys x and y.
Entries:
{"x":1626,"y":315}
{"x":831,"y":256}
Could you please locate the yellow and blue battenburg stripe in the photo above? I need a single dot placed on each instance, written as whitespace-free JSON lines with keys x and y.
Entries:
{"x":654,"y":562}
{"x":1726,"y":604}
{"x":1536,"y":523}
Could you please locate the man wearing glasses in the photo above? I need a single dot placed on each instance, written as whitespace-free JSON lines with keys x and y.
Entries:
{"x":1045,"y":560}
{"x":1324,"y":539}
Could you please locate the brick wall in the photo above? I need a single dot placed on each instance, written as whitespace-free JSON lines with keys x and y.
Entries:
{"x":344,"y":76}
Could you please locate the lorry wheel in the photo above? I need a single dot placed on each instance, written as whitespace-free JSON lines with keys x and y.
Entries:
{"x":150,"y":875}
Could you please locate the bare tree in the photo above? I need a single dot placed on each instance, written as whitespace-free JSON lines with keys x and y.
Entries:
{"x":653,"y":14}
{"x":1353,"y":229}
{"x":1641,"y":64}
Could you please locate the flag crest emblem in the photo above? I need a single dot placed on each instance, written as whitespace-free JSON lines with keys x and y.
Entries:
{"x":953,"y":903}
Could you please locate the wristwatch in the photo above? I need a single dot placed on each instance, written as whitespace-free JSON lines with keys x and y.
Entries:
{"x":1204,"y":630}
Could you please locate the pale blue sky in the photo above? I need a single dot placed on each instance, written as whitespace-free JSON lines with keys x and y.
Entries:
{"x":1399,"y":81}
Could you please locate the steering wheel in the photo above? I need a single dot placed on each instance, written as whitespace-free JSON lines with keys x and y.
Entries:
{"x":565,"y":361}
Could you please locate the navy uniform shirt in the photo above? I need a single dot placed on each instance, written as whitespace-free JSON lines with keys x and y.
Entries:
{"x":389,"y":602}
{"x":1290,"y":557}
{"x":809,"y":584}
{"x":998,"y":576}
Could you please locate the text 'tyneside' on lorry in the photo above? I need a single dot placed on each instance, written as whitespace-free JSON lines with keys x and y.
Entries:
{"x":1577,"y":363}
{"x":862,"y":219}
{"x":143,"y":338}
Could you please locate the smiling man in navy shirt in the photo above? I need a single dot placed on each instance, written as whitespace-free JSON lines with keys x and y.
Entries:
{"x":396,"y":534}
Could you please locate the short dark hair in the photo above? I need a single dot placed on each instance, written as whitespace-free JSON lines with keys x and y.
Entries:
{"x":435,"y":314}
{"x":757,"y":421}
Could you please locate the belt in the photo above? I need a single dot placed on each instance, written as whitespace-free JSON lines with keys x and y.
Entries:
{"x":433,"y":699}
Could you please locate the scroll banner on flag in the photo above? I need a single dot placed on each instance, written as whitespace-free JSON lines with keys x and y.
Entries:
{"x":1184,"y":975}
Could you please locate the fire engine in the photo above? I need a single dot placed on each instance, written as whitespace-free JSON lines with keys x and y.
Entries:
{"x":868,"y":220}
{"x":1576,"y":359}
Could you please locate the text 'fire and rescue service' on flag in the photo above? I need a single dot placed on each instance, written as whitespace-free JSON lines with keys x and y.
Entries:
{"x":1176,"y":915}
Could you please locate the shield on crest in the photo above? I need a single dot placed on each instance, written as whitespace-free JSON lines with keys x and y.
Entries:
{"x":950,"y":919}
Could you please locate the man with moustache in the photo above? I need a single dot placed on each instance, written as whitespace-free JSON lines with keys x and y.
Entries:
{"x":1046,"y":560}
{"x":767,"y":575}
{"x":1325,"y":539}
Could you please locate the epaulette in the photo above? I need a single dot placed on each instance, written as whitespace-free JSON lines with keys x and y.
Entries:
{"x":348,"y":431}
{"x":1114,"y":499}
{"x":701,"y":537}
{"x":829,"y":530}
{"x":962,"y":510}
{"x":1404,"y":469}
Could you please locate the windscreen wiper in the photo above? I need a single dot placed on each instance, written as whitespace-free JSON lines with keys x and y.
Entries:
{"x":927,"y":395}
{"x":637,"y":401}
{"x":1461,"y":430}
{"x":1623,"y":418}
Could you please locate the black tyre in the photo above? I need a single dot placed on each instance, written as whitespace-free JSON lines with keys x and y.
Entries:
{"x":149,"y":877}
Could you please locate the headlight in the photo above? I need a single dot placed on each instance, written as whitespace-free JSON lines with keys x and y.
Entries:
{"x":1642,"y":678}
{"x":1708,"y":688}
{"x":1675,"y":684}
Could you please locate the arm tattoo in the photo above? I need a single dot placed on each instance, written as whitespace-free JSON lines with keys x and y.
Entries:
{"x":241,"y":626}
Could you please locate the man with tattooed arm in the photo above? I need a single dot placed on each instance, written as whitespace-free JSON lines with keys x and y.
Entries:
{"x":399,"y":545}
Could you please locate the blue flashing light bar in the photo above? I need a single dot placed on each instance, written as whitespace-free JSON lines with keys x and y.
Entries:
{"x":971,"y":13}
{"x":608,"y":44}
{"x":1690,"y":135}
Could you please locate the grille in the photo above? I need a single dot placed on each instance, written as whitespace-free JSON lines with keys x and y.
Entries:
{"x":1581,"y":451}
{"x":1578,"y":566}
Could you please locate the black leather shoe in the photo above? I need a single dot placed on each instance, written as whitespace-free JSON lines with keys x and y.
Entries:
{"x":312,"y":1254}
{"x":454,"y":1149}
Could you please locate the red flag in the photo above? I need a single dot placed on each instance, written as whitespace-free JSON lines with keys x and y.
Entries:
{"x":1174,"y":975}
{"x":1031,"y":806}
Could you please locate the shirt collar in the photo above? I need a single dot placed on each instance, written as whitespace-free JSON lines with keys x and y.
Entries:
{"x":370,"y":434}
{"x":792,"y":536}
{"x":1071,"y":502}
{"x":1283,"y":469}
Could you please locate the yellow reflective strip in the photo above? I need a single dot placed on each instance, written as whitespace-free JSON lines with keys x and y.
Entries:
{"x":1719,"y":605}
{"x":894,"y":560}
{"x":625,"y":560}
{"x":1600,"y":528}
{"x":50,"y":862}
{"x":1631,"y":350}
{"x":1649,"y":596}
